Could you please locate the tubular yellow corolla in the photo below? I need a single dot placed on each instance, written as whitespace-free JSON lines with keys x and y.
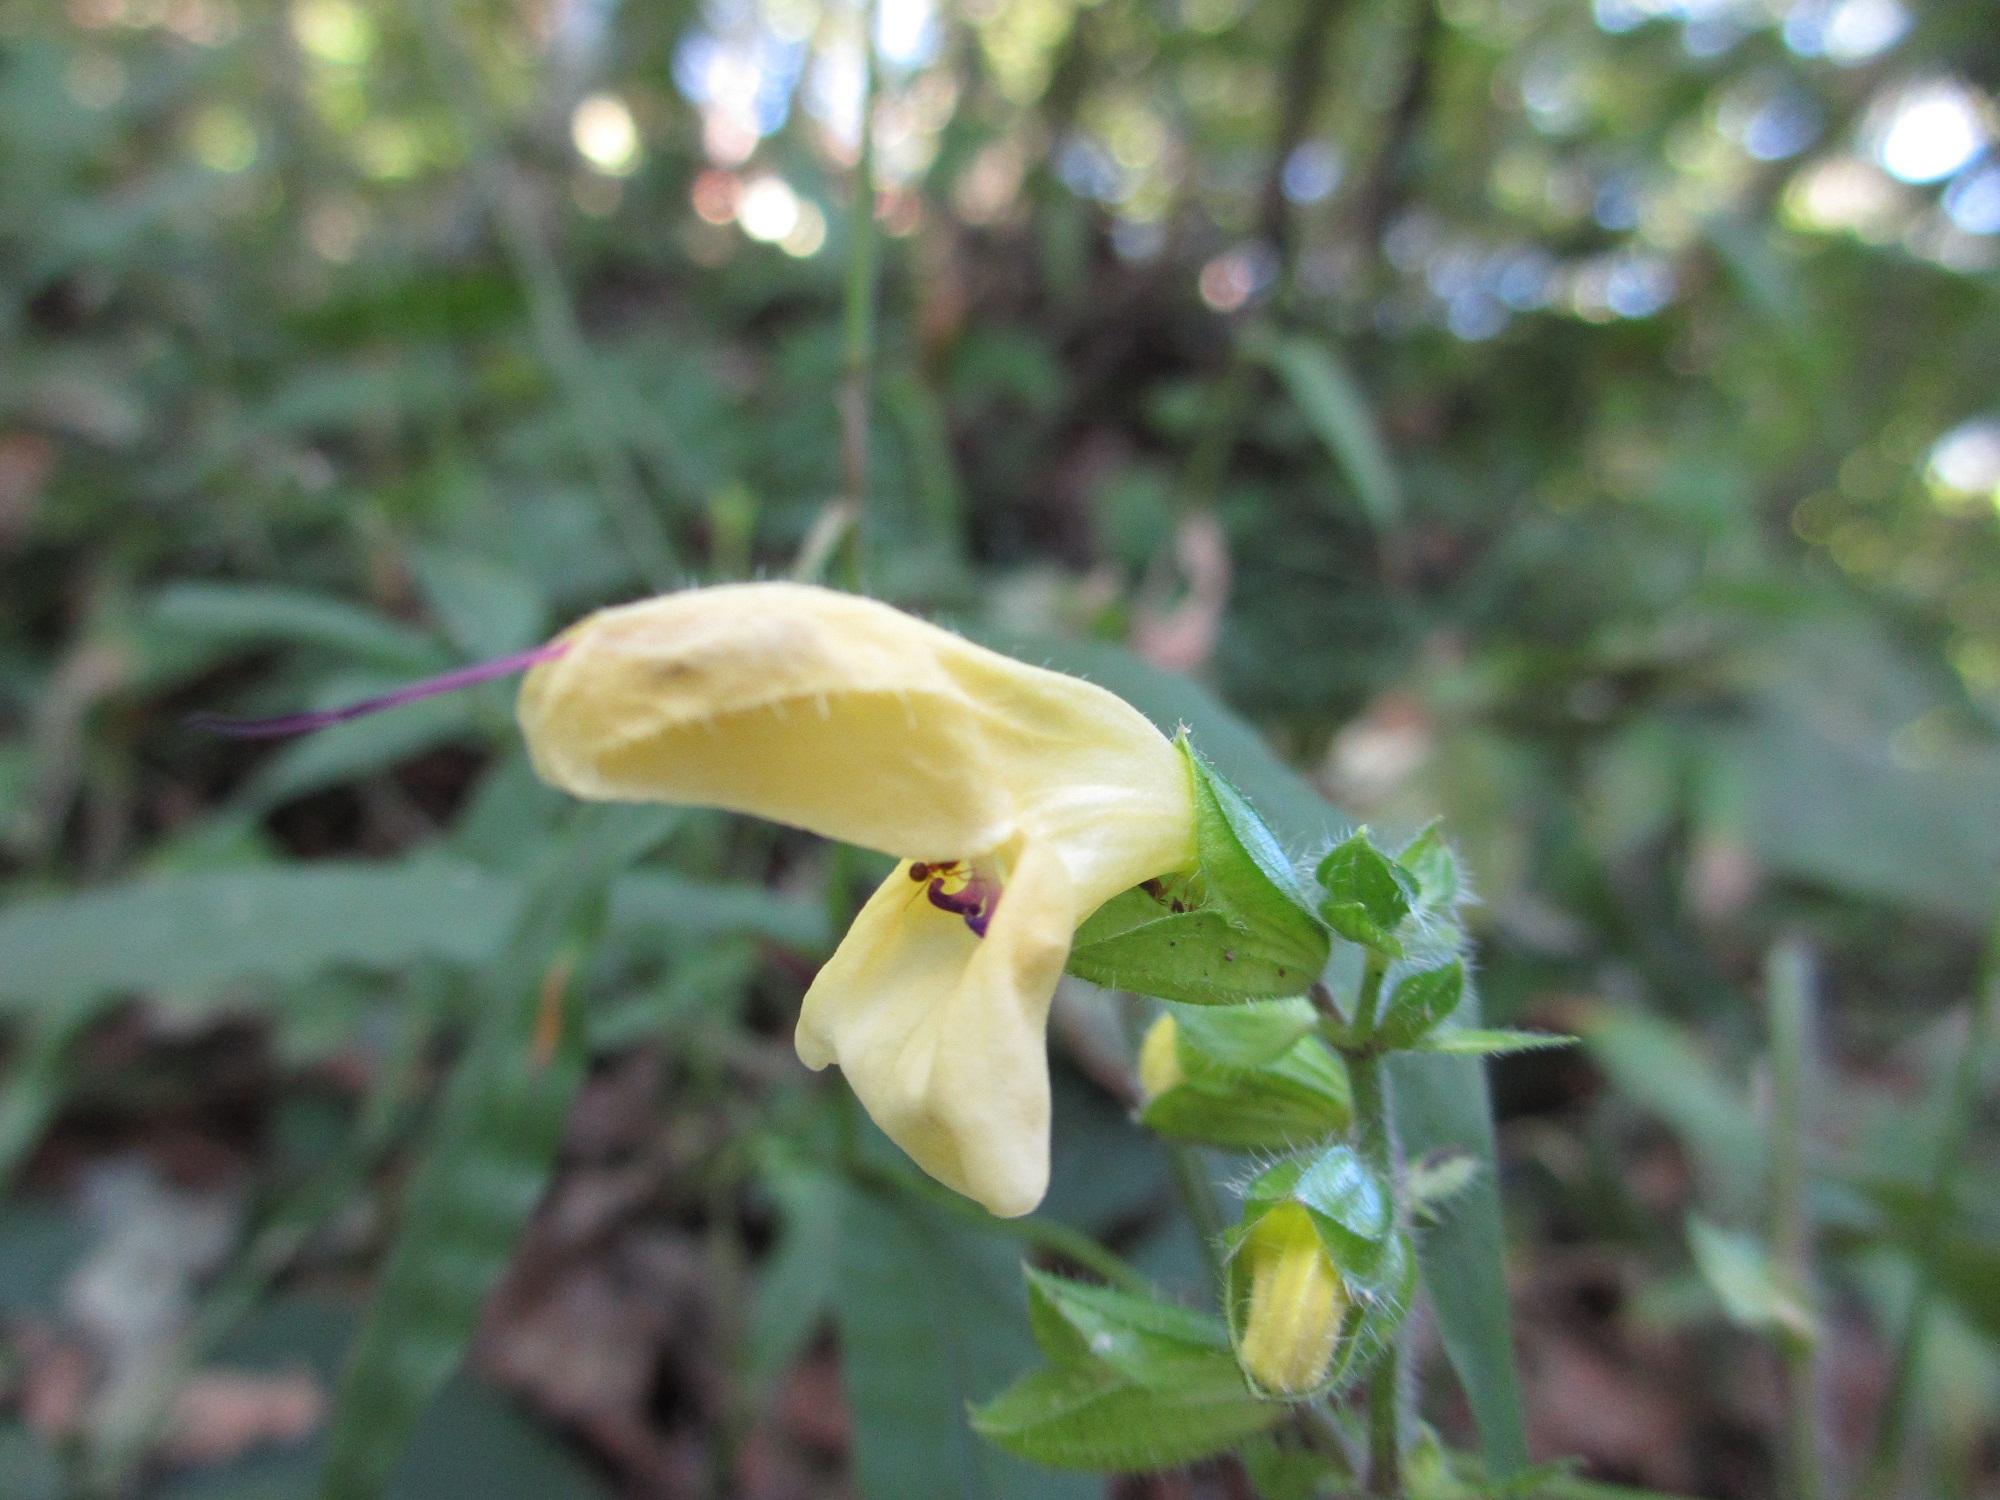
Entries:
{"x":1017,"y":799}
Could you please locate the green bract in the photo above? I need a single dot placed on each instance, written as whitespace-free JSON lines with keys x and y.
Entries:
{"x":1132,"y":1383}
{"x":1419,"y":1002}
{"x":1253,"y":1077}
{"x":1367,"y":894}
{"x":1239,"y":929}
{"x":1429,"y":859}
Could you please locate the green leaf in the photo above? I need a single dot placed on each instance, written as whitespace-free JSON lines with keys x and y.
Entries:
{"x":1239,"y":930}
{"x":1430,"y":860}
{"x":244,"y":615}
{"x":682,"y":909}
{"x":1149,"y":1342}
{"x":1473,"y":1042}
{"x":706,"y":985}
{"x":1419,"y":1002}
{"x":1438,"y":1103}
{"x":1338,"y":412}
{"x":485,"y":1166}
{"x":1350,"y":1207}
{"x":795,"y":1287}
{"x":1248,"y":876}
{"x":1290,"y":1471}
{"x":1255,"y":1077}
{"x":488,"y":610}
{"x":1090,"y":1417}
{"x":1264,"y":1110}
{"x":39,"y":1076}
{"x":360,"y":747}
{"x":1754,"y":1291}
{"x":1130,"y":910}
{"x":1367,"y":894}
{"x":200,"y":935}
{"x":1968,"y":1266}
{"x":1339,"y":1190}
{"x":930,"y":1320}
{"x":195,"y":935}
{"x":1825,"y":794}
{"x":1197,"y":957}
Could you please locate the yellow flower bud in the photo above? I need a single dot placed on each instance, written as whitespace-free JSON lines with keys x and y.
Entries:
{"x":1159,"y":1059}
{"x":1297,"y":1300}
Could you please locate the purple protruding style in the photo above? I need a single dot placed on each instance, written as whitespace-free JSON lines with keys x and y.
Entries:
{"x":430,"y":687}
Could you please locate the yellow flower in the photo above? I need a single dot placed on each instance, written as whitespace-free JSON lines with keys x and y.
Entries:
{"x":1297,"y":1300}
{"x":1017,"y":799}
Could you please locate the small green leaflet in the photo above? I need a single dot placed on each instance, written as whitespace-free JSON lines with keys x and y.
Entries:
{"x":1429,"y":858}
{"x":1367,"y":894}
{"x":1419,"y":1003}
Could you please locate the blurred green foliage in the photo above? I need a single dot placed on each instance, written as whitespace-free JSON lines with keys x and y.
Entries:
{"x":1579,"y":422}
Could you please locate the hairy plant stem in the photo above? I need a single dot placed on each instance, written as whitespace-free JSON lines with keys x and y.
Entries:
{"x":1374,"y":1138}
{"x":1788,"y":992}
{"x":858,"y":327}
{"x":1892,"y":1434}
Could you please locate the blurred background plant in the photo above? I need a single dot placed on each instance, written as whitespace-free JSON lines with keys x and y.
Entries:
{"x":1580,"y":422}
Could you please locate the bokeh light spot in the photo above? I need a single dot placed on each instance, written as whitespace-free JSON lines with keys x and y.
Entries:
{"x":768,"y":210}
{"x":1231,"y":279}
{"x":335,"y":31}
{"x":807,"y":234}
{"x":1965,"y":462}
{"x":715,"y":193}
{"x":1973,"y":201}
{"x":1931,"y":131}
{"x":606,"y":136}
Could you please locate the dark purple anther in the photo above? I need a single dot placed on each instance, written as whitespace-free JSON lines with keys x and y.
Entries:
{"x":976,"y":903}
{"x":430,"y":687}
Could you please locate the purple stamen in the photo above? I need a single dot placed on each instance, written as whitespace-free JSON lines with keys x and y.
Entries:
{"x":430,"y":687}
{"x":976,"y":903}
{"x":960,"y":904}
